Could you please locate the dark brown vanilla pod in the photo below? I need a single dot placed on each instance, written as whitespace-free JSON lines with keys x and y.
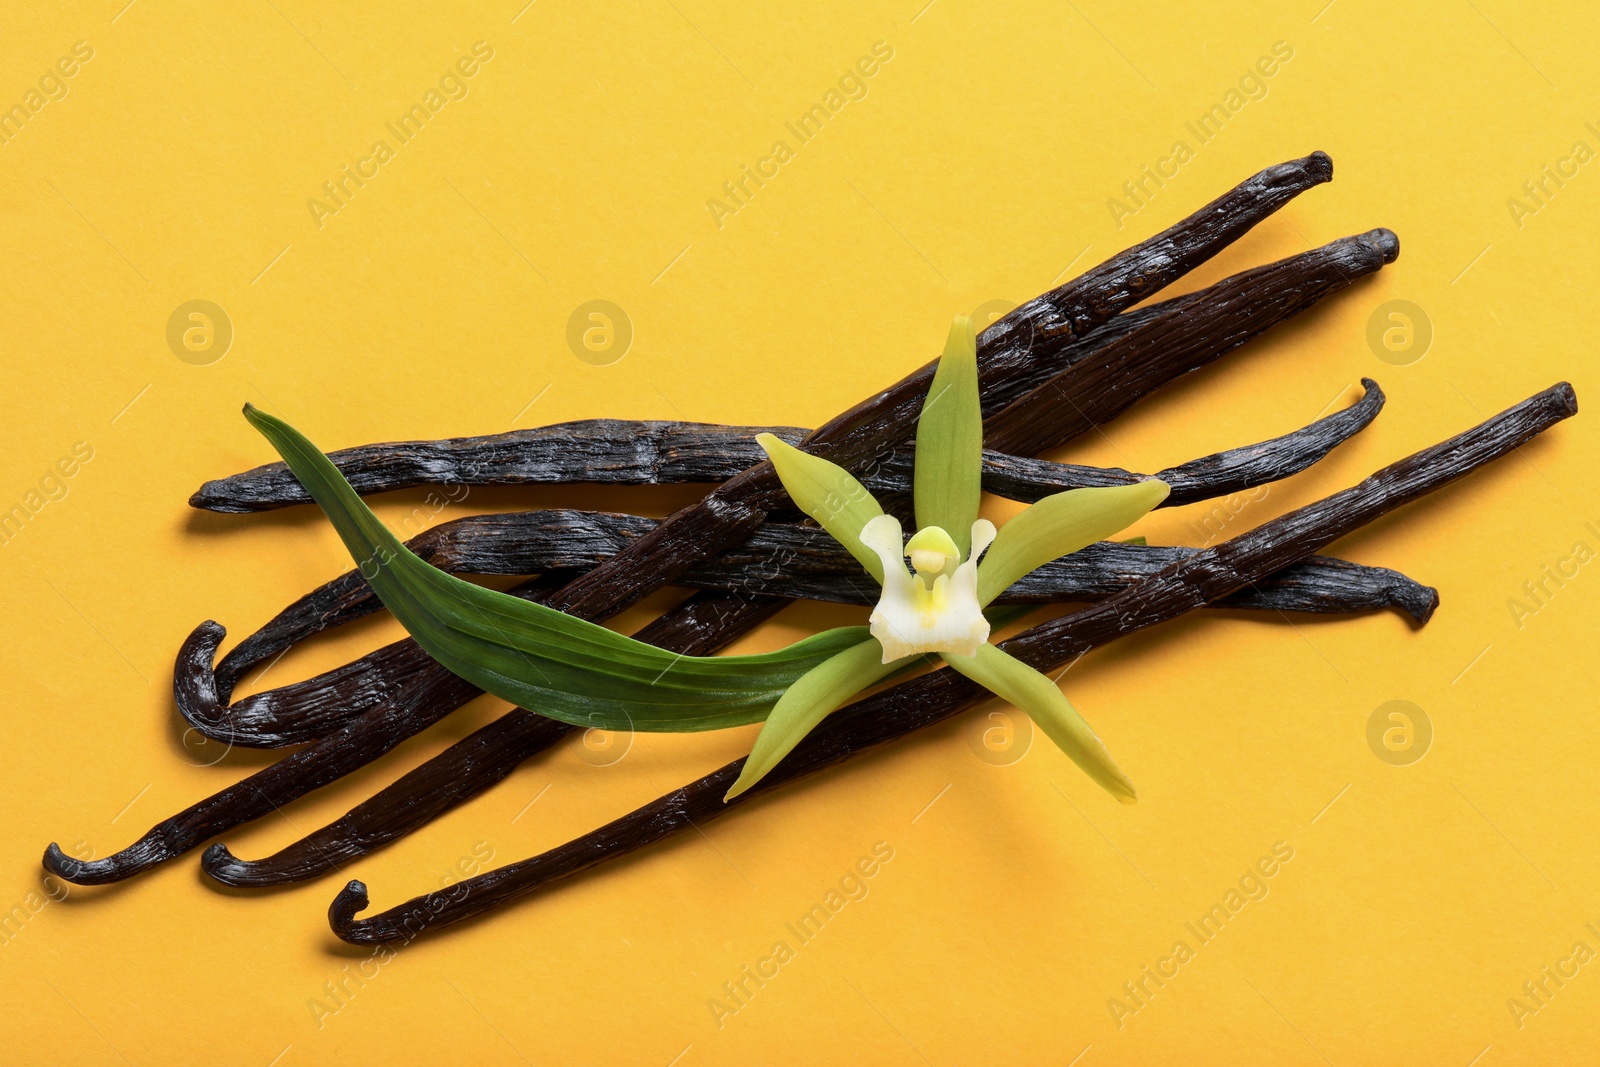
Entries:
{"x":1317,"y":585}
{"x":620,"y":452}
{"x":466,"y":769}
{"x":783,"y":560}
{"x":813,"y":567}
{"x":1231,"y":312}
{"x":707,"y":622}
{"x":596,"y":451}
{"x":1232,"y":470}
{"x":363,"y":739}
{"x":402,"y":673}
{"x":302,"y":712}
{"x":1105,"y":290}
{"x":702,"y":625}
{"x":606,"y":451}
{"x":931,"y":698}
{"x":1014,"y":344}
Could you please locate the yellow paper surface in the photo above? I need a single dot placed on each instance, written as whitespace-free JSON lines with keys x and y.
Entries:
{"x":975,"y":166}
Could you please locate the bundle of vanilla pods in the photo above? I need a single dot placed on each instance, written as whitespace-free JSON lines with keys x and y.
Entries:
{"x":1052,"y":370}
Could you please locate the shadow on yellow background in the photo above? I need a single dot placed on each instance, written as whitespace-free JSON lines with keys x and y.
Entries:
{"x":168,"y":154}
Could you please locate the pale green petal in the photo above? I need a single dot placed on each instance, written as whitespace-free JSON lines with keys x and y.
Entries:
{"x":945,"y":481}
{"x":1016,"y":682}
{"x":822,"y":690}
{"x":1059,"y":524}
{"x":828,"y":493}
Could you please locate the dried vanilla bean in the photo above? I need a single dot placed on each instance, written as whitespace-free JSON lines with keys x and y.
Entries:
{"x":935,"y":697}
{"x":596,"y":451}
{"x":1219,"y":474}
{"x":1234,"y":310}
{"x":627,"y":452}
{"x":621,"y":452}
{"x":466,"y":769}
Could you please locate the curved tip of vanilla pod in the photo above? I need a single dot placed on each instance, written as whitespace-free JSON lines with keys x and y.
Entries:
{"x":202,"y":694}
{"x":194,"y":681}
{"x":352,"y":898}
{"x":225,"y":867}
{"x":62,"y":865}
{"x":84,"y":872}
{"x":1568,"y":397}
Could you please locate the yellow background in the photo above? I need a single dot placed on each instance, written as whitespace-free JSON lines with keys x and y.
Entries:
{"x":977,"y":168}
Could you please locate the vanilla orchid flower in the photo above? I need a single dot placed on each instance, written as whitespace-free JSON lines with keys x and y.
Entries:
{"x":959,"y":563}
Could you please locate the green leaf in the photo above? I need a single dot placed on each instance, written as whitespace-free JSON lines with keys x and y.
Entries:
{"x":828,"y":493}
{"x":537,"y":657}
{"x":808,"y":702}
{"x":946,"y":479}
{"x":1016,"y":682}
{"x":1059,"y":524}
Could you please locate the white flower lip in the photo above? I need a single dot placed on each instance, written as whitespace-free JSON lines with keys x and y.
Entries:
{"x":935,"y":610}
